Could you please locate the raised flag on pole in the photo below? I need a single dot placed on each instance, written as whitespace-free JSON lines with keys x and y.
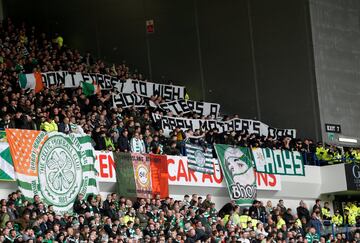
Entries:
{"x":199,"y":159}
{"x":31,"y":81}
{"x":6,"y":165}
{"x":55,"y":166}
{"x":90,"y":88}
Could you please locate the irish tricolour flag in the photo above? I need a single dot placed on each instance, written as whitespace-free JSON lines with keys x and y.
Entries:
{"x":31,"y":81}
{"x":90,"y":88}
{"x":141,"y":175}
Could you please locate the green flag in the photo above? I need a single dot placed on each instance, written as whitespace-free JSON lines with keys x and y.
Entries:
{"x":90,"y":88}
{"x":238,"y":171}
{"x":126,"y":185}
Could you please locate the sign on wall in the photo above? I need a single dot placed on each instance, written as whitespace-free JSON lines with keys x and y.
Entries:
{"x":334,"y":128}
{"x":352,"y":172}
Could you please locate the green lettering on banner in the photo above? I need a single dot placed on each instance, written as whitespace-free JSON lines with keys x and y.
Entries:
{"x":281,"y":162}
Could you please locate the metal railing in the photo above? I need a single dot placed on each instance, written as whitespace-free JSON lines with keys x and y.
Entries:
{"x":347,"y":232}
{"x":311,"y":159}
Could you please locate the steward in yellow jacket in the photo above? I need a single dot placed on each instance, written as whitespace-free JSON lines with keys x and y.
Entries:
{"x":280,"y":222}
{"x":325,"y":211}
{"x":49,"y":126}
{"x":349,"y":218}
{"x":337,"y":219}
{"x":244,"y":219}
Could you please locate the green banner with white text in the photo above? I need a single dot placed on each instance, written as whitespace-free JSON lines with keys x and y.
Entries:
{"x":280,"y":162}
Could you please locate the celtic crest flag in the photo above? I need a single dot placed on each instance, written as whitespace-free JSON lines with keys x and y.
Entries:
{"x":55,"y":166}
{"x":236,"y":165}
{"x":198,"y":159}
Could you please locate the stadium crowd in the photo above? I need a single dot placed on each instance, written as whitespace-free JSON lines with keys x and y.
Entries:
{"x":193,"y":219}
{"x":117,"y":219}
{"x":25,"y":50}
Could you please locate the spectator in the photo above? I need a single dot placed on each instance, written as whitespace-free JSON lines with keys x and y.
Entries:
{"x":316,"y":223}
{"x":281,"y":206}
{"x":137,"y":144}
{"x":4,"y":216}
{"x":303,"y":212}
{"x":172,"y":148}
{"x":123,"y":142}
{"x":65,"y":127}
{"x":317,"y":206}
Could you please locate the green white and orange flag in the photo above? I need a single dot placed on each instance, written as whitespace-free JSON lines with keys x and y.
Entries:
{"x":55,"y":166}
{"x":90,"y":88}
{"x":141,"y":175}
{"x":31,"y":81}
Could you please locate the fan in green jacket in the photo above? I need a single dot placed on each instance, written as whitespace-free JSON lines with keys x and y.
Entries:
{"x":311,"y":236}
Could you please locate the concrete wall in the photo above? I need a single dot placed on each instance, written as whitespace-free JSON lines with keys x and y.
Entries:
{"x":336,"y":37}
{"x":328,"y":182}
{"x":318,"y":182}
{"x":253,"y":57}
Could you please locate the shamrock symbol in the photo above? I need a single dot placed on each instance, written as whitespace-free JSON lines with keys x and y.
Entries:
{"x":61,"y":175}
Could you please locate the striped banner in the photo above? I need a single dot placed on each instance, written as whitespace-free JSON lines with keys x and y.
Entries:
{"x":55,"y":166}
{"x":199,"y":159}
{"x":6,"y":164}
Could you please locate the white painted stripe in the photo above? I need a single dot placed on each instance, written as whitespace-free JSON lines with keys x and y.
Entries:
{"x":25,"y":178}
{"x":7,"y":168}
{"x":27,"y":193}
{"x":30,"y":81}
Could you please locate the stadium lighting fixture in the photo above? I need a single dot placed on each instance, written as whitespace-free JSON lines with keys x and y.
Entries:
{"x":348,"y":140}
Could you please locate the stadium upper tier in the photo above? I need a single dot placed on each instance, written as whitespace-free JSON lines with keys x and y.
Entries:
{"x":125,"y":112}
